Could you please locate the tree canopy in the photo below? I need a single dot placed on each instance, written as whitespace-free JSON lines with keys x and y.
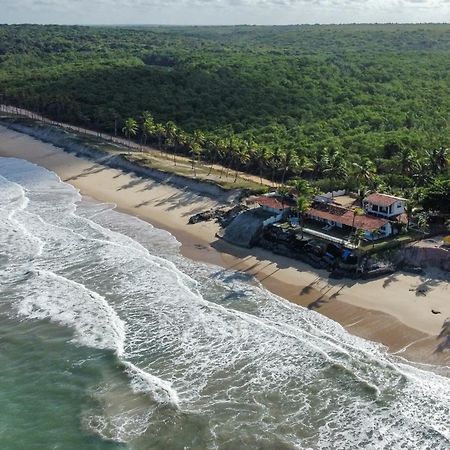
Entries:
{"x":340,"y":105}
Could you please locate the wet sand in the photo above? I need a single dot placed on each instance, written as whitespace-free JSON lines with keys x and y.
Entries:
{"x":395,"y":310}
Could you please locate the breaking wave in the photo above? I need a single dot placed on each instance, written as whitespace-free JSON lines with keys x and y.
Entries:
{"x":210,"y":359}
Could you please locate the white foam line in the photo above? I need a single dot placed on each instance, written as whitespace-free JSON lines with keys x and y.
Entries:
{"x":403,"y":349}
{"x":181,"y":277}
{"x":144,"y":382}
{"x":354,"y":323}
{"x":60,"y":315}
{"x":145,"y":254}
{"x":141,"y":381}
{"x":291,"y":306}
{"x":22,"y":207}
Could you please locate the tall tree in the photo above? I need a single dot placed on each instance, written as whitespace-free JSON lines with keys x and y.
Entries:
{"x":303,"y":206}
{"x":196,"y":143}
{"x":356,"y":212}
{"x":130,"y":128}
{"x":148,"y":125}
{"x":365,"y":172}
{"x":261,"y":154}
{"x":438,"y":160}
{"x":336,"y":167}
{"x":288,"y":162}
{"x":302,"y":187}
{"x":357,"y":237}
{"x":242,"y":157}
{"x":171,"y":134}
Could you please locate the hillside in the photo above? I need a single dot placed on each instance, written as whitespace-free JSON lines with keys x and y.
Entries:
{"x":350,"y":105}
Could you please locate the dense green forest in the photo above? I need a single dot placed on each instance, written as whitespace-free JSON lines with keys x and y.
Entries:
{"x":342,"y":106}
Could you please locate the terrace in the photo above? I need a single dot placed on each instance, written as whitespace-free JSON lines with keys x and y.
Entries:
{"x":335,"y":235}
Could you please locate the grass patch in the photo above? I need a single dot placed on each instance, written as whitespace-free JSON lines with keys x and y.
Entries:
{"x":391,"y":242}
{"x":183,"y":168}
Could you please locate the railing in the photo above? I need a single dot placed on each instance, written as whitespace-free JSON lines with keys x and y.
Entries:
{"x":327,"y":237}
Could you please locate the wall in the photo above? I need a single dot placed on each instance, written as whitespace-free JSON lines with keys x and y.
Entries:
{"x":325,"y":198}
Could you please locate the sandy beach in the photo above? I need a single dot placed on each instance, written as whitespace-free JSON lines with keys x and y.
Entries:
{"x":396,"y":311}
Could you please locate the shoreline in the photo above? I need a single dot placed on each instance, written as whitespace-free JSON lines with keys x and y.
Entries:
{"x":386,"y":310}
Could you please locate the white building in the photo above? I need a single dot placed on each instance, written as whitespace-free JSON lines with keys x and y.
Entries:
{"x":384,"y":205}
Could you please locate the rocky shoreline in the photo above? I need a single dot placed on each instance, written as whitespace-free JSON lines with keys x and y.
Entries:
{"x":411,"y":258}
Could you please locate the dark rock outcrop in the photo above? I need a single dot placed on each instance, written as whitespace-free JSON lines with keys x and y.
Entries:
{"x":245,"y":229}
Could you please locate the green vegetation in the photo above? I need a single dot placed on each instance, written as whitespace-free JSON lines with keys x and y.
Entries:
{"x":357,"y":106}
{"x":437,"y":195}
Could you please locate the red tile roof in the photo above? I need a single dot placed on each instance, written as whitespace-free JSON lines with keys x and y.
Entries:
{"x":274,"y":202}
{"x":332,"y":208}
{"x":365,"y":222}
{"x":382,"y":199}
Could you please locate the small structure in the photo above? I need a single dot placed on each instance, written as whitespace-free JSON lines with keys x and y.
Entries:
{"x":337,"y":216}
{"x":274,"y":204}
{"x":384,"y":205}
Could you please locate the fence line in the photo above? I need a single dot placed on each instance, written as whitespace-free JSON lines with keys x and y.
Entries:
{"x":32,"y":115}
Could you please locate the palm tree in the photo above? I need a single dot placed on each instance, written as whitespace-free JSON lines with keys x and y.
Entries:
{"x":304,"y":164}
{"x":195,"y":146}
{"x":159,"y":132}
{"x":438,"y":160}
{"x":199,"y":137}
{"x":242,"y":157}
{"x":356,"y":238}
{"x":148,"y":125}
{"x":356,"y":212}
{"x":407,"y":160}
{"x":303,"y":205}
{"x":301,"y":186}
{"x":336,"y":168}
{"x":365,"y":171}
{"x":130,"y":128}
{"x":409,"y":210}
{"x":196,"y":151}
{"x":282,"y":191}
{"x":363,"y":192}
{"x":182,"y":140}
{"x":288,"y":162}
{"x":261,"y":154}
{"x":422,"y":222}
{"x":232,"y":152}
{"x":375,"y":233}
{"x":226,"y":149}
{"x":319,"y":161}
{"x":217,"y":152}
{"x":211,"y":153}
{"x":275,"y":162}
{"x":170,"y":134}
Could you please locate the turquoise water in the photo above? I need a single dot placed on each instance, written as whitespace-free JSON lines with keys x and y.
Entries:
{"x":110,"y":339}
{"x":45,"y":387}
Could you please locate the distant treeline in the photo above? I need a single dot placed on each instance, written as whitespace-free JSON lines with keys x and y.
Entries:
{"x":344,"y":106}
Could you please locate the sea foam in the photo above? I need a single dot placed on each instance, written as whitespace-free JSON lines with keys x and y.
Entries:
{"x":207,"y":349}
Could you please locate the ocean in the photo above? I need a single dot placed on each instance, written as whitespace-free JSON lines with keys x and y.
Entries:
{"x":110,"y":339}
